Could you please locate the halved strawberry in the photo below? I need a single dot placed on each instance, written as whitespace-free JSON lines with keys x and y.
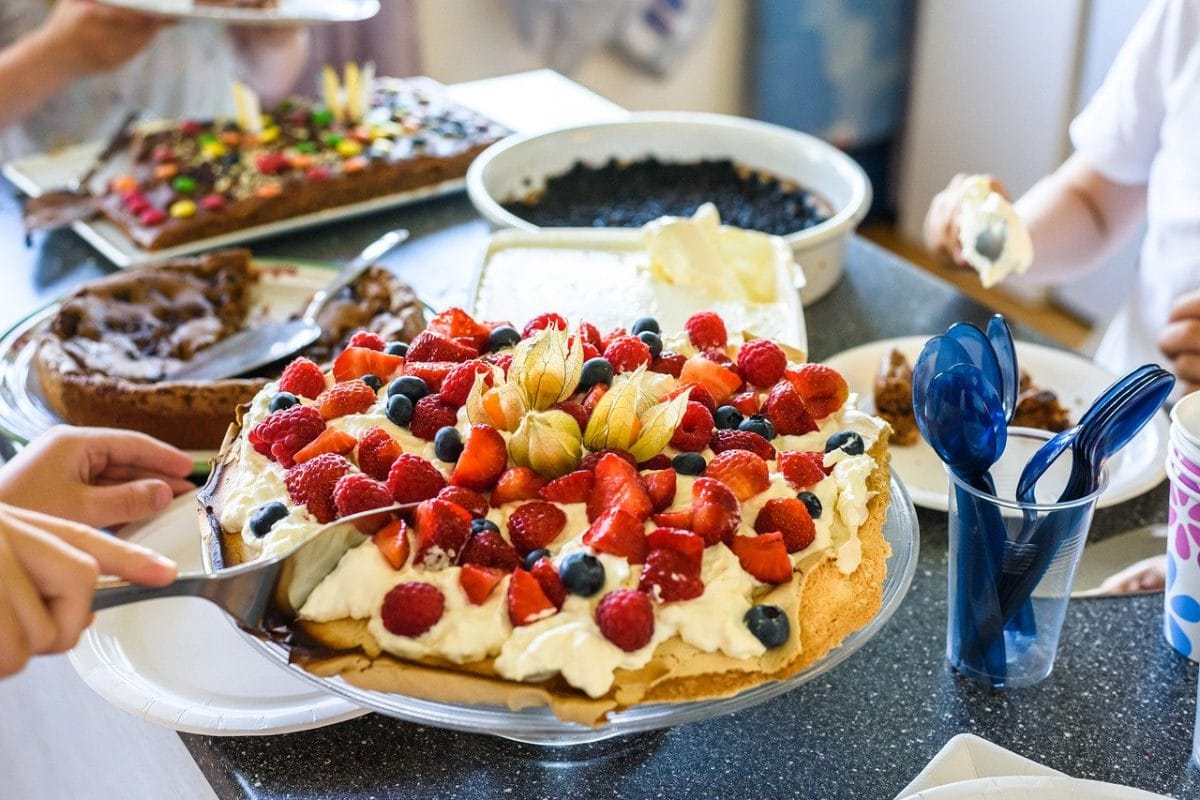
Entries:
{"x":802,"y":469}
{"x":786,"y":411}
{"x":656,"y":462}
{"x":432,"y":372}
{"x":698,"y":395}
{"x":745,"y":402}
{"x":618,"y":486}
{"x":788,"y":516}
{"x":478,"y":582}
{"x":442,"y":530}
{"x":618,"y":533}
{"x":392,"y":541}
{"x":742,"y":471}
{"x":517,"y":483}
{"x":355,"y":362}
{"x":344,"y":399}
{"x":331,"y":440}
{"x":821,"y":387}
{"x":669,"y":575}
{"x":574,"y":487}
{"x":456,"y":324}
{"x":535,"y":525}
{"x":660,"y":484}
{"x":487,"y":548}
{"x":715,"y":511}
{"x":577,"y":412}
{"x":472,"y":501}
{"x":674,"y":519}
{"x":724,"y":439}
{"x":720,"y":381}
{"x":763,"y":556}
{"x":551,"y":583}
{"x":684,"y":542}
{"x":526,"y":601}
{"x":589,"y":462}
{"x":430,"y":346}
{"x":592,"y":398}
{"x":484,"y":457}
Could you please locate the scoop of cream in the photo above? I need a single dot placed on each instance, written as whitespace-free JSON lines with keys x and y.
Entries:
{"x":983,"y":211}
{"x":719,"y":260}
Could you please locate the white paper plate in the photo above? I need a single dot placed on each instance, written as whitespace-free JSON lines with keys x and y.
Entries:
{"x":1077,"y":382}
{"x":1028,"y":787}
{"x":180,"y":662}
{"x":286,"y":12}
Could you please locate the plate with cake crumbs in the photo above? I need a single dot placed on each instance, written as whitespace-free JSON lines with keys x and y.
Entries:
{"x":258,"y":12}
{"x":1057,"y":387}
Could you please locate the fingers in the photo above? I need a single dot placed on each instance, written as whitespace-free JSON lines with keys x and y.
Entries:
{"x":121,"y":473}
{"x":124,"y":502}
{"x":1188,"y":305}
{"x":29,"y":612}
{"x":107,"y":447}
{"x":1180,"y":337}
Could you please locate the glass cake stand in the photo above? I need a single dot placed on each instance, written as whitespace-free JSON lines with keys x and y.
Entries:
{"x":540,"y":726}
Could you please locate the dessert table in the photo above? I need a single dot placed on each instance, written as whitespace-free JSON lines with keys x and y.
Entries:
{"x":1119,"y":706}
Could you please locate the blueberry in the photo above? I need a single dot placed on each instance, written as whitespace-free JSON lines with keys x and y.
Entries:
{"x":727,"y":417}
{"x":768,"y":624}
{"x":645,"y":324}
{"x":447,"y":444}
{"x":582,"y":573}
{"x":595,"y":371}
{"x":534,"y":556}
{"x":481,"y":524}
{"x":410,"y":386}
{"x":372,"y":381}
{"x":399,"y":409}
{"x":265,"y":517}
{"x":502,"y":337}
{"x":848,"y":441}
{"x":396,"y":349}
{"x":757,"y":423}
{"x":283,"y":400}
{"x":653,"y":341}
{"x":811,"y":502}
{"x":689,"y":463}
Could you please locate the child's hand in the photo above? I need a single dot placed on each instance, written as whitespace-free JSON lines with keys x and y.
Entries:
{"x":1180,"y":340}
{"x":95,"y":476}
{"x":84,"y":36}
{"x":48,"y":571}
{"x":941,"y":221}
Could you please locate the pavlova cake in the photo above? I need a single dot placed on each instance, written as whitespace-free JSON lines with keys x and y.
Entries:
{"x":600,"y":520}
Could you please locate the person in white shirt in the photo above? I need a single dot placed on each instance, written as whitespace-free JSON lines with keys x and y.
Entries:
{"x":1137,"y":158}
{"x":71,"y":70}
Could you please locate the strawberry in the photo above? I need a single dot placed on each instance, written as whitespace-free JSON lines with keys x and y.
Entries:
{"x":412,"y":608}
{"x":534,"y":525}
{"x":618,"y":533}
{"x":684,"y":542}
{"x":312,"y":482}
{"x":354,"y":362}
{"x":501,"y":360}
{"x":715,"y":511}
{"x":745,"y":402}
{"x":577,"y":412}
{"x":802,"y":469}
{"x":377,"y":451}
{"x":669,"y":363}
{"x":458,"y":325}
{"x":763,"y":556}
{"x":517,"y":483}
{"x":434,"y":373}
{"x":547,"y":578}
{"x":720,"y":381}
{"x":719,"y":356}
{"x":592,"y":398}
{"x":608,"y":338}
{"x":618,"y":486}
{"x":331,"y":440}
{"x":527,"y":602}
{"x":442,"y":530}
{"x":790,"y":517}
{"x":729,"y":439}
{"x":674,"y":519}
{"x":742,"y":471}
{"x":698,"y":394}
{"x":660,"y":485}
{"x":430,"y":414}
{"x":412,"y":479}
{"x":627,"y":353}
{"x":656,"y":462}
{"x":543,"y":321}
{"x":284,"y":433}
{"x":762,"y":362}
{"x":392,"y":541}
{"x":822,"y":388}
{"x":430,"y":346}
{"x":694,"y":429}
{"x":705,"y":329}
{"x":670,"y":575}
{"x":302,"y":378}
{"x":786,"y":411}
{"x":343,"y":399}
{"x":626,"y":618}
{"x":458,"y":382}
{"x":574,"y":487}
{"x":590,"y":334}
{"x":478,"y":582}
{"x":367,"y":339}
{"x":357,"y":492}
{"x":488,"y":549}
{"x":483,"y":459}
{"x":472,"y":501}
{"x":590,"y":461}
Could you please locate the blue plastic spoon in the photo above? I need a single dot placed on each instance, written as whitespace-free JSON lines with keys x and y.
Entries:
{"x":938,"y":355}
{"x":981,"y":352}
{"x":1001,"y":340}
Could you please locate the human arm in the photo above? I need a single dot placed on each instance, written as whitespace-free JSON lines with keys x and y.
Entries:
{"x":270,"y":59}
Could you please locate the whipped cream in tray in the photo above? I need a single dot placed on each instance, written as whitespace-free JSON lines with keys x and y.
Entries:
{"x":669,"y":269}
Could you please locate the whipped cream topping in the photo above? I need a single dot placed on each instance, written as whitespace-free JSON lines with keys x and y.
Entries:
{"x":993,"y":239}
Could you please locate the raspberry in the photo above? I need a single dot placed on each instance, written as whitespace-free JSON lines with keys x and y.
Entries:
{"x":762,"y":362}
{"x":377,"y":451}
{"x":590,"y":335}
{"x":430,"y":414}
{"x":367,"y":339}
{"x":660,"y":461}
{"x":312,"y":483}
{"x":787,"y":411}
{"x":627,"y":353}
{"x":790,"y":517}
{"x":535,"y":525}
{"x":577,"y":412}
{"x":302,"y":378}
{"x":501,"y":360}
{"x":342,"y":399}
{"x":357,"y":492}
{"x":802,"y":469}
{"x":670,"y":575}
{"x":669,"y":363}
{"x":705,"y":329}
{"x":607,"y":338}
{"x":430,"y":346}
{"x":474,"y":502}
{"x":694,"y":429}
{"x":722,"y":440}
{"x":412,"y":608}
{"x":822,"y":388}
{"x":626,"y":618}
{"x":488,"y":549}
{"x":543,"y":321}
{"x":282,"y":434}
{"x":412,"y":479}
{"x":457,"y":384}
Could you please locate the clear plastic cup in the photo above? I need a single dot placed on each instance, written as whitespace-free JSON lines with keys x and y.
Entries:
{"x":1196,"y":732}
{"x":1011,"y":567}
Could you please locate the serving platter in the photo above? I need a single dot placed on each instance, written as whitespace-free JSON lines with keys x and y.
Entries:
{"x":285,"y":12}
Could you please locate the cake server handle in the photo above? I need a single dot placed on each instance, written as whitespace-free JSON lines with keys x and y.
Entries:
{"x":349,"y":273}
